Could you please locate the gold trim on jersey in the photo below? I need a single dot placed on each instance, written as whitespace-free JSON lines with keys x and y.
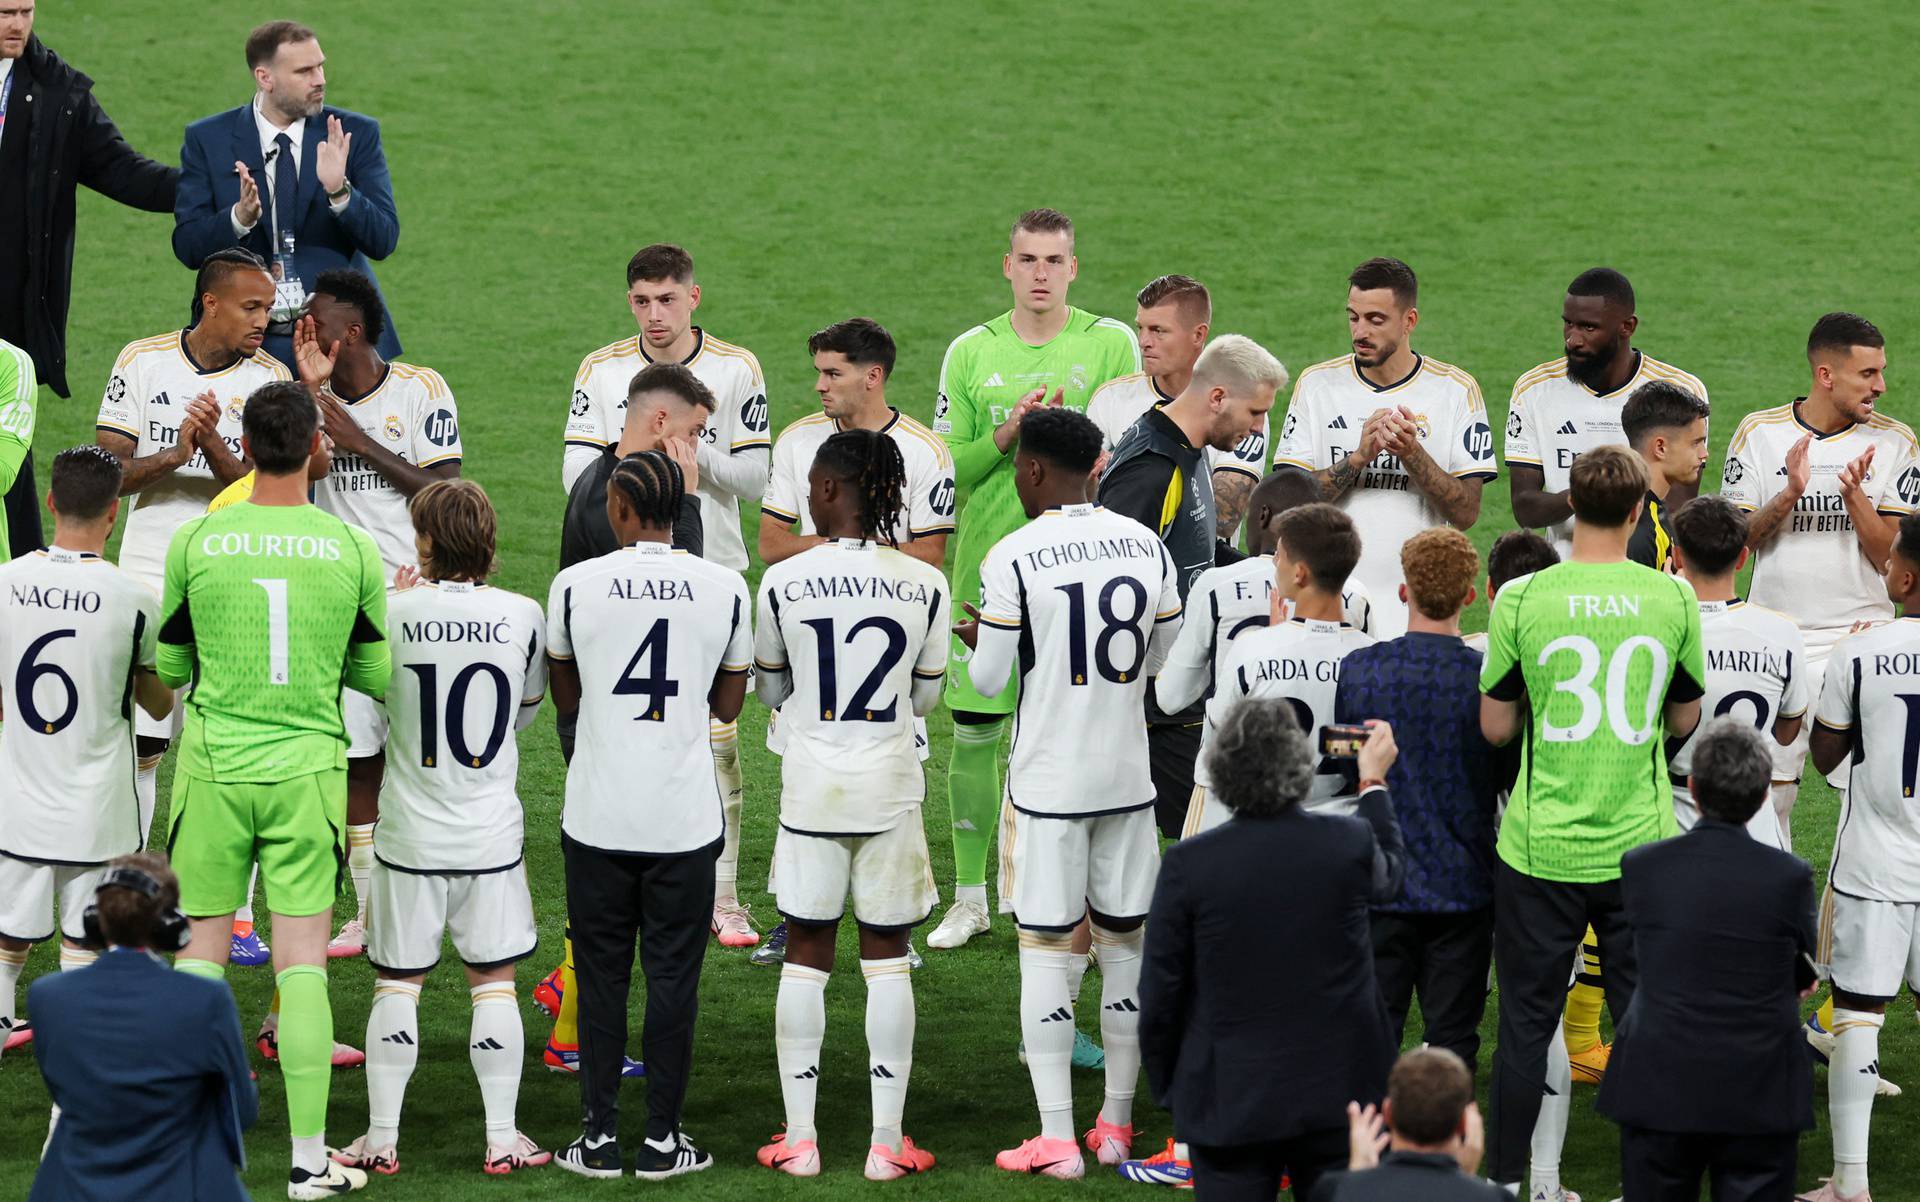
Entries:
{"x":141,"y":346}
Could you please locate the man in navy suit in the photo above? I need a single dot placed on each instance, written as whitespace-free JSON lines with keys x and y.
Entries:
{"x":301,"y":184}
{"x":146,"y":1064}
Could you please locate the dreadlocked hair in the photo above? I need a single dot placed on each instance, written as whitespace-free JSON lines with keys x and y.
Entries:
{"x":652,"y":485}
{"x":872,"y":461}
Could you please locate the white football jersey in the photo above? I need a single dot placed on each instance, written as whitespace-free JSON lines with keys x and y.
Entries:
{"x":1873,"y":691}
{"x":1814,"y":570}
{"x":146,"y":398}
{"x":1553,"y":419}
{"x":1332,"y":402}
{"x":469,"y":668}
{"x":650,"y":628}
{"x":1224,"y":602}
{"x":850,"y":628}
{"x":411,"y":413}
{"x":1298,"y":661}
{"x":739,"y":423}
{"x":1087,"y":601}
{"x":1756,"y":669}
{"x":929,"y":501}
{"x":73,"y":630}
{"x":1122,"y":401}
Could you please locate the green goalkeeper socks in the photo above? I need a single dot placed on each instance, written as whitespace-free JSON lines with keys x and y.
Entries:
{"x":973,"y":794}
{"x":306,"y":1047}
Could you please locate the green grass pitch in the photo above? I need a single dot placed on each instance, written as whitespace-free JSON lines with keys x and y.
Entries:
{"x":1740,"y":163}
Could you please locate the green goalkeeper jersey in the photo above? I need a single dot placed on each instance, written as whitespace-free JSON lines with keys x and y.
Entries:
{"x":269,"y":610}
{"x":18,"y":401}
{"x":986,"y":372}
{"x":1596,"y":651}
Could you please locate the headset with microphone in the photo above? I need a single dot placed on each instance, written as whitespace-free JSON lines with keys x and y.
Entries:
{"x":170,"y":930}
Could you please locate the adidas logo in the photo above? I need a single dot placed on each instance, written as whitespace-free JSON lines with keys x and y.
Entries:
{"x":1566,"y":428}
{"x":1062,"y":1015}
{"x":880,"y":1073}
{"x":486,"y":1045}
{"x":811,"y":1074}
{"x":399,"y":1037}
{"x":1338,"y":423}
{"x":1872,"y":1070}
{"x":994,"y":381}
{"x":1124,"y":1006}
{"x":1782,"y":471}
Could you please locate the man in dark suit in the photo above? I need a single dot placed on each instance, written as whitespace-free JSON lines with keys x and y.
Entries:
{"x":1433,"y":1136}
{"x":1709,"y":1073}
{"x":53,"y":138}
{"x":1259,"y":1055}
{"x":302,"y":185}
{"x":146,"y":1064}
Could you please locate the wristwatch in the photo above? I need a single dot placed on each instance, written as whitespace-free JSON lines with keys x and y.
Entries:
{"x":346,"y":189}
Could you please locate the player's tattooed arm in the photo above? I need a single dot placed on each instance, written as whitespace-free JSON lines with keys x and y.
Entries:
{"x":1345,"y":473}
{"x":1457,"y":500}
{"x":1767,"y":522}
{"x":138,"y":472}
{"x":1232,"y":489}
{"x":1534,"y":508}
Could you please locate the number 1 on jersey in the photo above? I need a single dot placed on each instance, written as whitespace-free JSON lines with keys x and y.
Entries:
{"x":276,"y":629}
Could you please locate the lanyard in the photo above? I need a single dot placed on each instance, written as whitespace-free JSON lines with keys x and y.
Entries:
{"x":6,"y":93}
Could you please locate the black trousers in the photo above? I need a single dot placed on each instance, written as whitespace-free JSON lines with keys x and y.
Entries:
{"x":1172,"y":750}
{"x":1442,"y":959}
{"x":1252,"y":1172}
{"x":1538,"y":927}
{"x":668,"y":902}
{"x":23,"y":513}
{"x":1662,"y":1166}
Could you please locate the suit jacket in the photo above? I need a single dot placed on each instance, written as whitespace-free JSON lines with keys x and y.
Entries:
{"x":70,"y":141}
{"x":1408,"y":1177}
{"x":150,"y":1074}
{"x":368,"y":228}
{"x":1245,"y":1049}
{"x":1711,"y":1042}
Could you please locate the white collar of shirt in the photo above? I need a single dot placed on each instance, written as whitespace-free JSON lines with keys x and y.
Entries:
{"x":6,"y":69}
{"x":269,"y":131}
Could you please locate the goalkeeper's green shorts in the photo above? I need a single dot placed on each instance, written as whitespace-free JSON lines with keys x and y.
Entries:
{"x":295,"y":829}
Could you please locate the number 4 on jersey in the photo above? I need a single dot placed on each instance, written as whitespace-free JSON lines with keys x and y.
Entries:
{"x":656,"y":686}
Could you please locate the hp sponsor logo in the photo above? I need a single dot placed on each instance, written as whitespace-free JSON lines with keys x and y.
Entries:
{"x":941,"y":498}
{"x":1478,"y":441}
{"x":753,"y":414}
{"x":443,"y":430}
{"x":1908,"y":486}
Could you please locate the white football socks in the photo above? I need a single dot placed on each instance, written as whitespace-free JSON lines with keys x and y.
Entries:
{"x":146,"y":778}
{"x":1046,"y":1026}
{"x":393,"y":1048}
{"x":1853,"y":1077}
{"x":890,"y":1022}
{"x":1119,"y":954}
{"x":12,"y":963}
{"x":360,"y":865}
{"x":76,"y":957}
{"x":495,"y":1044}
{"x":1076,"y":976}
{"x":1550,"y":1129}
{"x":799,"y":1027}
{"x":245,"y":912}
{"x":724,"y":738}
{"x":972,"y":893}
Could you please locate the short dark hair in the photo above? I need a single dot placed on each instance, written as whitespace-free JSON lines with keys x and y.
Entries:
{"x":219,"y":267}
{"x":1387,"y":273}
{"x":1188,"y":296}
{"x":1659,"y":405}
{"x":279,"y":422}
{"x":871,"y":461}
{"x":460,"y":527}
{"x":357,"y":290}
{"x":1515,"y":554}
{"x":1260,"y":761}
{"x":661,"y":261}
{"x":1285,"y":487}
{"x":1732,"y":769}
{"x":1710,"y":531}
{"x":85,"y":482}
{"x":1841,"y":332}
{"x":1066,"y":438}
{"x":861,"y":339}
{"x":1322,"y":537}
{"x":265,"y":40}
{"x":1605,"y":283}
{"x":127,"y":916}
{"x":1042,"y":221}
{"x":1429,"y":1090}
{"x":675,"y":378}
{"x":1906,"y":544}
{"x":1605,"y":484}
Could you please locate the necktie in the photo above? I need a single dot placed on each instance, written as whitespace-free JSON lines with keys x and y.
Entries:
{"x":285,"y":185}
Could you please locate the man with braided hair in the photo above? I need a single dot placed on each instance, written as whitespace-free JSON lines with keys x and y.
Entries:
{"x":852,"y":641}
{"x":642,"y":642}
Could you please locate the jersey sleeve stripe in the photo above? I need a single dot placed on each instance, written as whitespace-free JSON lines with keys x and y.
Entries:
{"x":1522,"y":460}
{"x":764,"y":666}
{"x":768,"y":511}
{"x":449,"y":457}
{"x":1292,"y":461}
{"x":1235,"y":465}
{"x":595,"y":443}
{"x":133,"y":434}
{"x":929,"y":531}
{"x":924,"y":674}
{"x":1000,"y":623}
{"x":749,"y":444}
{"x":1477,"y":473}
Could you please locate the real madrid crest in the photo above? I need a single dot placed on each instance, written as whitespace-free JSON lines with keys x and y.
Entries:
{"x":235,"y":407}
{"x":394,"y":430}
